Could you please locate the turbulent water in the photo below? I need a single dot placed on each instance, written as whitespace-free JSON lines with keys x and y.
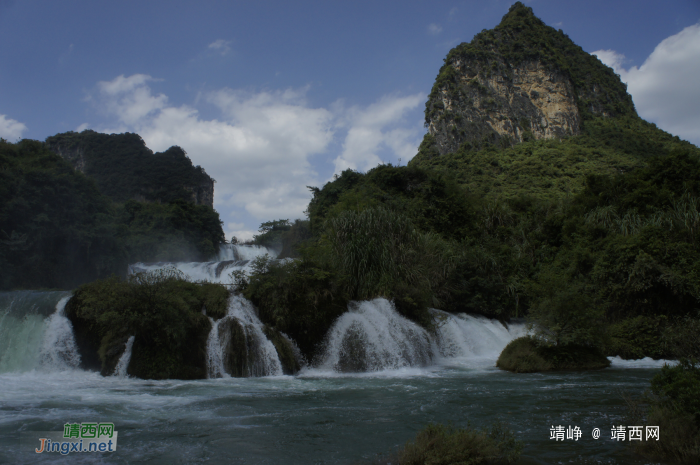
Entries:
{"x":231,"y":257}
{"x":378,"y":380}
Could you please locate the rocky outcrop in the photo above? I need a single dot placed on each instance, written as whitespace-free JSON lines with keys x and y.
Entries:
{"x":522,"y":80}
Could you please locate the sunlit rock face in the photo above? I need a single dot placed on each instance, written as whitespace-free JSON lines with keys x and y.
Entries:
{"x":520,"y":81}
{"x":529,"y":101}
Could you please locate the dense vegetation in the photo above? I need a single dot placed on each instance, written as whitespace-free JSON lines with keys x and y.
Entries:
{"x":606,"y":267}
{"x":161,"y":309}
{"x":124,"y":168}
{"x":57,"y":230}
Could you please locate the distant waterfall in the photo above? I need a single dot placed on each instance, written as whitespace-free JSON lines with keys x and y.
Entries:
{"x":123,"y":363}
{"x":237,"y":344}
{"x":231,"y":257}
{"x":372,"y":336}
{"x":462,"y":335}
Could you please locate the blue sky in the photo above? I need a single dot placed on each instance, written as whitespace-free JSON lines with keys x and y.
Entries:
{"x":272,"y":96}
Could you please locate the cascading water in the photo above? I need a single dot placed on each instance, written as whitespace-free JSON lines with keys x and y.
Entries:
{"x":259,"y":356}
{"x":466,"y":336}
{"x":231,"y":257}
{"x":215,"y":350}
{"x":372,"y":336}
{"x":59,"y":350}
{"x":123,"y":363}
{"x":34,"y":332}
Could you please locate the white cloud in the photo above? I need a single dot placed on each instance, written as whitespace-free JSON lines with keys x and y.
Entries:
{"x":259,"y":147}
{"x":665,"y":87}
{"x":434,"y":28}
{"x":612,"y":59}
{"x":377,"y":127}
{"x":129,"y":98}
{"x":221,"y":46}
{"x":10,"y":129}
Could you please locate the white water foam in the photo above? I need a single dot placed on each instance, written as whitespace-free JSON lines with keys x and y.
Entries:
{"x":262,"y":356}
{"x":123,"y":363}
{"x":231,"y":257}
{"x":646,"y":362}
{"x":372,"y":336}
{"x":215,"y":351}
{"x":467,"y":336}
{"x":59,"y":351}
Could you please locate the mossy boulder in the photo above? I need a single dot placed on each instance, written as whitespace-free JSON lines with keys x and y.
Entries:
{"x":162,"y":310}
{"x":526,"y":355}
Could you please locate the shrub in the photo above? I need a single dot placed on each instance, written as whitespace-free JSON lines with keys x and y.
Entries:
{"x":527,"y":355}
{"x":443,"y":445}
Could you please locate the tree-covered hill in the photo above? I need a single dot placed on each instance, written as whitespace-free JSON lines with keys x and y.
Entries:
{"x":57,"y":230}
{"x":124,"y":168}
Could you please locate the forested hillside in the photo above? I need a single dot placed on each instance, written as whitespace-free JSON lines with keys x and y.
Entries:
{"x":57,"y":230}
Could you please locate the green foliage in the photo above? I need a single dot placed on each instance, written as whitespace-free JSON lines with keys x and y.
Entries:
{"x":179,"y":231}
{"x":299,"y":298}
{"x":528,"y":355}
{"x":284,"y":236}
{"x":564,"y":312}
{"x":161,"y":309}
{"x":55,"y":227}
{"x":680,"y":338}
{"x":124,"y":168}
{"x":442,"y":445}
{"x":637,"y":337}
{"x":379,"y":250}
{"x":554,"y":169}
{"x":678,"y":388}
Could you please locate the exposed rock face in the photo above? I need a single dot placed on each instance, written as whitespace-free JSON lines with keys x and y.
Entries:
{"x":522,"y":80}
{"x":531,"y":101}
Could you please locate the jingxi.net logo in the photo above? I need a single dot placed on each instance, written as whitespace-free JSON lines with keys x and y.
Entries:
{"x":76,"y":438}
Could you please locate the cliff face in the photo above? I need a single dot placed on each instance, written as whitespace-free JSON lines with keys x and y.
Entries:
{"x":124,"y":168}
{"x":520,"y":81}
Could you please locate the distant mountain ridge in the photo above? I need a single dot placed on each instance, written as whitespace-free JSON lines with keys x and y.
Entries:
{"x":124,"y":168}
{"x":520,"y":81}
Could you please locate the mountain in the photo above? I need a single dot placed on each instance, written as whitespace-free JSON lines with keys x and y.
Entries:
{"x":124,"y":168}
{"x":521,"y":80}
{"x":522,"y":110}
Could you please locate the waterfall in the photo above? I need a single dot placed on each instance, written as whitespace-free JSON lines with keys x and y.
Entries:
{"x":465,"y":336}
{"x":34,"y":332}
{"x":372,"y":336}
{"x":238,"y":342}
{"x":59,"y":351}
{"x":215,"y":350}
{"x":231,"y":257}
{"x":123,"y":363}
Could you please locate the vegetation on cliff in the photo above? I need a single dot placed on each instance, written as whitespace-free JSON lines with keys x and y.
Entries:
{"x":58,"y":231}
{"x":124,"y":168}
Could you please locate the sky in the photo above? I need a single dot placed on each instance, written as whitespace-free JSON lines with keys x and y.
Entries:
{"x":270,"y":97}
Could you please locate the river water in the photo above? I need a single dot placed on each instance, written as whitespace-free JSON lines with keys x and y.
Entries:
{"x":321,"y":415}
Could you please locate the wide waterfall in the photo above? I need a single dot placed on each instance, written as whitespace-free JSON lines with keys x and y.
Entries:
{"x":372,"y":336}
{"x":35,"y":333}
{"x":231,"y":257}
{"x":467,"y":336}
